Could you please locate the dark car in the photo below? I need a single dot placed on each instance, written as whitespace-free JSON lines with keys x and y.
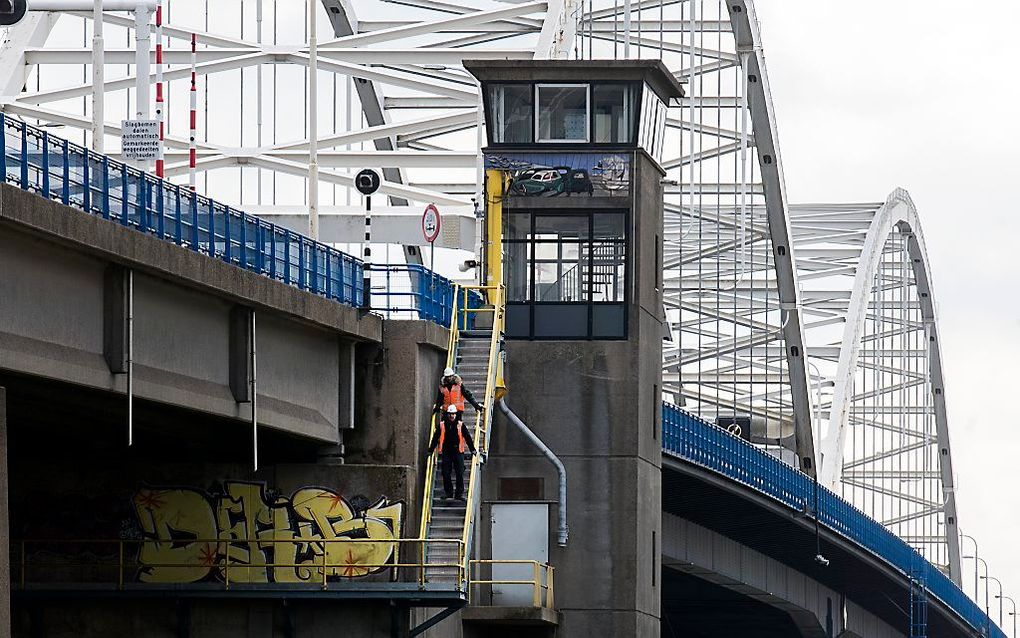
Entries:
{"x":541,"y":181}
{"x":575,"y":180}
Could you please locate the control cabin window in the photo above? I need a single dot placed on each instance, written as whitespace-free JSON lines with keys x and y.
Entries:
{"x":566,"y":275}
{"x":611,"y":113}
{"x":614,"y":107}
{"x":562,"y":112}
{"x":512,"y":112}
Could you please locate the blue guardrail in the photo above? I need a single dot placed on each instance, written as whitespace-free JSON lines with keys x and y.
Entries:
{"x":69,"y":173}
{"x":702,"y":443}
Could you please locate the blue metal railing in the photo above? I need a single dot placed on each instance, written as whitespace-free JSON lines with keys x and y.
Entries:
{"x":408,"y":289}
{"x":75,"y":176}
{"x":704,"y":444}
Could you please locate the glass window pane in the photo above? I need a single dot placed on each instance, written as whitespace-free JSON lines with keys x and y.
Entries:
{"x":518,"y":271}
{"x":605,"y":278}
{"x":609,"y":226}
{"x":512,"y":113}
{"x":558,"y":282}
{"x":547,"y":251}
{"x":614,"y":112}
{"x":562,"y":113}
{"x":608,"y":321}
{"x":518,"y":226}
{"x":563,"y":227}
{"x":569,"y":321}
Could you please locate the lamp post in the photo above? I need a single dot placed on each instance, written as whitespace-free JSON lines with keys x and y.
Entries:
{"x":976,"y":553}
{"x":1012,"y":613}
{"x":988,"y":618}
{"x":999,"y":583}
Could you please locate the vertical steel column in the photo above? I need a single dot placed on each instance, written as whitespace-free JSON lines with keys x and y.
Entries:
{"x":193,"y":115}
{"x":494,"y":180}
{"x":367,"y":255}
{"x":129,"y":391}
{"x":159,"y":87}
{"x":313,"y":125}
{"x":98,"y":79}
{"x":254,"y":396}
{"x":142,"y":80}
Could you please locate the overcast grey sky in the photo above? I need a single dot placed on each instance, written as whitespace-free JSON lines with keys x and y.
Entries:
{"x":875,"y":94}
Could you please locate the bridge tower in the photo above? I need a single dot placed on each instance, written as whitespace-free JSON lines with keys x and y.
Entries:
{"x":575,"y":145}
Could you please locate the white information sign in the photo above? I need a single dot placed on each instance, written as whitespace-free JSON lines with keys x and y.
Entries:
{"x":140,"y":139}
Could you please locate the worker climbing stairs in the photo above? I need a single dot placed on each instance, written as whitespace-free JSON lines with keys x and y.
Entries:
{"x":474,"y":353}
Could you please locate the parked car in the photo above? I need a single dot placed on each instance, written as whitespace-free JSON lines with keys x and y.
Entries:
{"x":575,"y":180}
{"x":541,"y":181}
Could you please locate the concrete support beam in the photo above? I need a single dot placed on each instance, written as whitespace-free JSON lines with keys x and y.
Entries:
{"x":5,"y":526}
{"x":115,"y":318}
{"x":240,"y":361}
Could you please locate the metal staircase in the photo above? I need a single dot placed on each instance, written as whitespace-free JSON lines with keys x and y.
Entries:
{"x":447,"y":527}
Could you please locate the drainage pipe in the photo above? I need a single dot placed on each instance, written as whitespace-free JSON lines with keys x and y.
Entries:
{"x":561,"y":530}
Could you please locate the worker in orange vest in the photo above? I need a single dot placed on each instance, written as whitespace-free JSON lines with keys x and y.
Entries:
{"x":453,"y":392}
{"x":453,"y":439}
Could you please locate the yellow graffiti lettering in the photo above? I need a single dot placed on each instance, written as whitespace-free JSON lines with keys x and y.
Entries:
{"x":239,"y":536}
{"x":177,"y":525}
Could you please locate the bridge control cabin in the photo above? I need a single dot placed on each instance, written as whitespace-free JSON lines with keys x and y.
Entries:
{"x":574,"y":191}
{"x":579,"y":143}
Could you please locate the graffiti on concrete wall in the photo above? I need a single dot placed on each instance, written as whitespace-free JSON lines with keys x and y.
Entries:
{"x":242,"y":532}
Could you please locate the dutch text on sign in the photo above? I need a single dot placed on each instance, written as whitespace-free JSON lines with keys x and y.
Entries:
{"x":140,"y":139}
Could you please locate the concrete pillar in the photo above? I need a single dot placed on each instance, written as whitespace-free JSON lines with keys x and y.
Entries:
{"x":5,"y":528}
{"x":396,"y":384}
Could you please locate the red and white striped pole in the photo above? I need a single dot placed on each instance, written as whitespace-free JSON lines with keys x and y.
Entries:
{"x":159,"y":87}
{"x":194,"y":115}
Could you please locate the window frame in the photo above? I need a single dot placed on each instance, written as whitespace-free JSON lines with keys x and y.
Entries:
{"x":637,"y":86}
{"x":490,"y":106}
{"x":587,"y":111}
{"x":586,"y":244}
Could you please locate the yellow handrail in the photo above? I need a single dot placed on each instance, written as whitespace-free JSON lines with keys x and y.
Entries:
{"x":430,"y":464}
{"x":461,"y":315}
{"x":537,"y":582}
{"x":124,"y":561}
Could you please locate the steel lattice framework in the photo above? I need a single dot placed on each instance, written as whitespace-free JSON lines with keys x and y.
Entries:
{"x":875,"y":344}
{"x":805,"y":324}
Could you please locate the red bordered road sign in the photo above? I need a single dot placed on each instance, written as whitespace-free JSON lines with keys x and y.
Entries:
{"x":430,"y":223}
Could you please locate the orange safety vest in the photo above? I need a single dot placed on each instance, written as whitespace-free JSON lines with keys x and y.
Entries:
{"x":460,"y":436}
{"x":453,"y":396}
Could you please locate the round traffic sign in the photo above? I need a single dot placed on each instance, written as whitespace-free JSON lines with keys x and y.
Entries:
{"x":430,"y":223}
{"x":367,"y":181}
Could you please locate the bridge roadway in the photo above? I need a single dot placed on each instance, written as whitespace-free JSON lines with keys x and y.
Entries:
{"x":733,"y":516}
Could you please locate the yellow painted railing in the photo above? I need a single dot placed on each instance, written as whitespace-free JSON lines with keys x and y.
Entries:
{"x":464,"y":315}
{"x":430,"y":465}
{"x":541,"y":581}
{"x":120,"y":562}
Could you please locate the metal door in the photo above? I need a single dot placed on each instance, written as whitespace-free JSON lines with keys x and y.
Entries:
{"x":520,"y":531}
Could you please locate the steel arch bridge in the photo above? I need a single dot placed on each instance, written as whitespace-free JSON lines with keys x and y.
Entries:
{"x":813,"y":326}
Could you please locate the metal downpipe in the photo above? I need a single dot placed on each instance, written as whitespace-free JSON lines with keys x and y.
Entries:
{"x":561,"y":530}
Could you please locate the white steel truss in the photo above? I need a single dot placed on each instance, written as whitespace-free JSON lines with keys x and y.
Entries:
{"x":759,"y":332}
{"x":731,"y":288}
{"x":875,"y":345}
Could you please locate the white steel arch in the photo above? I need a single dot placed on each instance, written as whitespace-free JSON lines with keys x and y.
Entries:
{"x":737,"y":289}
{"x":881,"y":383}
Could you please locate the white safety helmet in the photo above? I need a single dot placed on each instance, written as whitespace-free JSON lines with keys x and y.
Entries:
{"x":452,"y":409}
{"x":448,"y":372}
